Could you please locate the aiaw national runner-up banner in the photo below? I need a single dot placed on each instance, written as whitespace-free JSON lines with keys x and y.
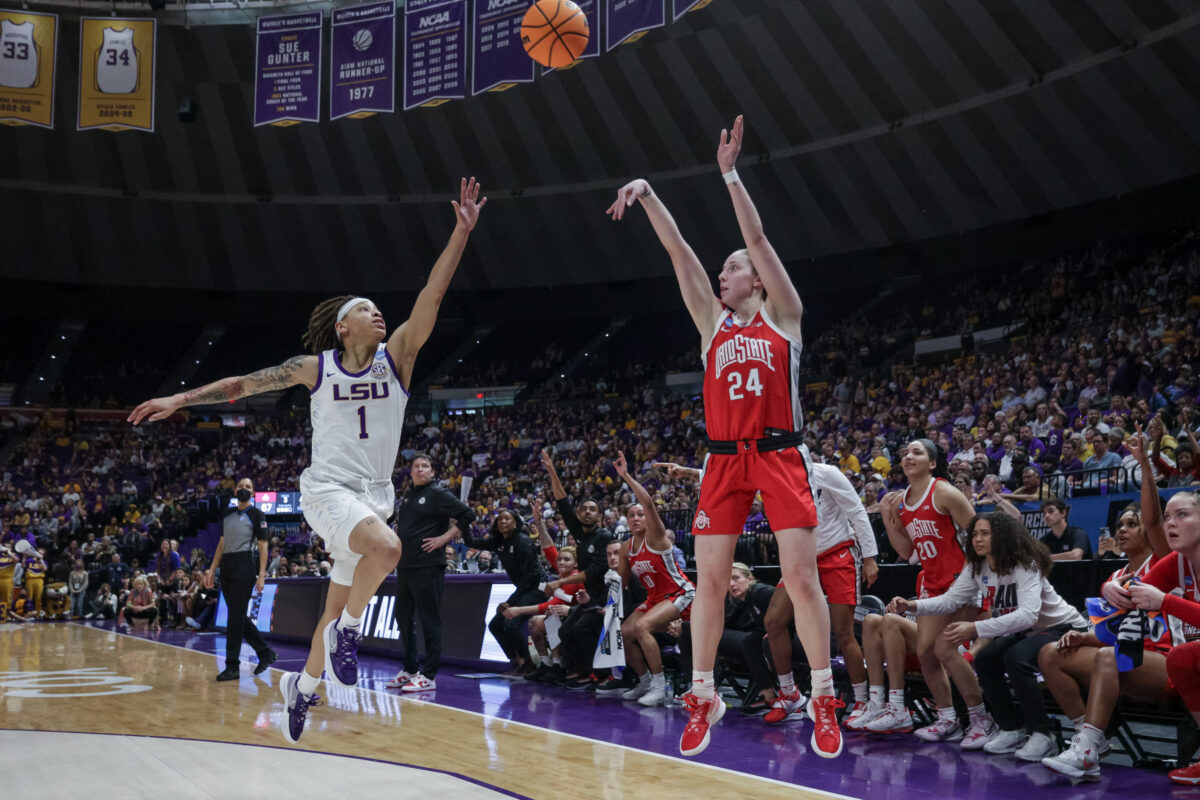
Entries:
{"x":287,"y":75}
{"x":362,"y":74}
{"x":27,"y":54}
{"x":116,"y":73}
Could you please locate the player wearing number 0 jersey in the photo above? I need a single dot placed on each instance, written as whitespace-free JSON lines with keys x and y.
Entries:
{"x":750,"y":339}
{"x":357,"y":375}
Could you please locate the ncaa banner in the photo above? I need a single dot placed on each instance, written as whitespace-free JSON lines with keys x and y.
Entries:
{"x":681,"y":7}
{"x":500,"y":61}
{"x":610,"y":649}
{"x":628,"y":20}
{"x":287,"y":74}
{"x":27,"y":52}
{"x":363,"y":54}
{"x":435,"y":57}
{"x":591,"y":10}
{"x":116,"y":73}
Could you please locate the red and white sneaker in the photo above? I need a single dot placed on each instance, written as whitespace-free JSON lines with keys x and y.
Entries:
{"x":857,"y":710}
{"x":827,"y":735}
{"x":419,"y":683}
{"x":1188,"y":776}
{"x":702,"y":713}
{"x":787,"y":707}
{"x":401,"y":680}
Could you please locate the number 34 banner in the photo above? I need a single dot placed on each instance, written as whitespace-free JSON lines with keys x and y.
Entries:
{"x":27,"y":43}
{"x":116,"y":74}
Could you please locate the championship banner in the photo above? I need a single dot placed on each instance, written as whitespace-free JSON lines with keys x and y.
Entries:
{"x":681,"y":7}
{"x":116,"y":73}
{"x":27,"y":52}
{"x":628,"y":20}
{"x":287,"y":75}
{"x":500,"y":61}
{"x":435,"y":49}
{"x":591,"y":10}
{"x":362,"y":78}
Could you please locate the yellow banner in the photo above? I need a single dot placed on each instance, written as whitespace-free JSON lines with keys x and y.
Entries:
{"x":27,"y":55}
{"x":116,"y":74}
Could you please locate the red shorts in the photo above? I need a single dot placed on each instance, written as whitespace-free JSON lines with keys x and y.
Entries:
{"x":837,"y":569}
{"x":929,"y":590}
{"x":681,"y":600}
{"x":732,"y":480}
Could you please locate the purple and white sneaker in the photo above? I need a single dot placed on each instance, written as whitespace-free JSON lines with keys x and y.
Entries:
{"x":341,"y":654}
{"x":297,"y":707}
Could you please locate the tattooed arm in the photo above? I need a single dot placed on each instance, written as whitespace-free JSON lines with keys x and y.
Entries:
{"x":299,"y":369}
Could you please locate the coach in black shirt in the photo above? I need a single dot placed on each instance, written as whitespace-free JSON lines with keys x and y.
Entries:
{"x":243,"y":536}
{"x":428,"y":519}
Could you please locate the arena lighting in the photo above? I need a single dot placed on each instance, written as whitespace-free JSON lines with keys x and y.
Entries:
{"x":479,"y":395}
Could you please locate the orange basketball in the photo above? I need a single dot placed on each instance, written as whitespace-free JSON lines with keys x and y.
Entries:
{"x":554,"y":32}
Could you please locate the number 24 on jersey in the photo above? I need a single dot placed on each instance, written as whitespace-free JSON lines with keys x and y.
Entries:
{"x":753,"y":384}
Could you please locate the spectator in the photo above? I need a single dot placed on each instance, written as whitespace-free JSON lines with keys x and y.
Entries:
{"x":141,"y":604}
{"x":77,"y":583}
{"x":1065,"y":542}
{"x":104,"y":604}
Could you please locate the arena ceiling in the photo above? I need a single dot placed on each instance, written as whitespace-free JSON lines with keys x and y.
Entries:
{"x":870,"y":124}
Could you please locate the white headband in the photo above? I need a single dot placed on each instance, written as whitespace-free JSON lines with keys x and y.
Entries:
{"x":346,"y":306}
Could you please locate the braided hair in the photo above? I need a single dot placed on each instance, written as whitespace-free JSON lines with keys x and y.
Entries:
{"x":321,"y":335}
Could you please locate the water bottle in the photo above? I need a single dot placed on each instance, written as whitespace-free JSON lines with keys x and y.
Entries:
{"x":670,"y":700}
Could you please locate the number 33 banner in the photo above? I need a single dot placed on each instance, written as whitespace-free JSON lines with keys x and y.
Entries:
{"x":27,"y":43}
{"x":116,"y":74}
{"x":362,"y":73}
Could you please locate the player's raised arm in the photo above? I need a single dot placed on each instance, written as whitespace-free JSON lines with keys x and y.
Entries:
{"x":656,"y":532}
{"x":784,"y":300}
{"x":407,"y":340}
{"x":694,"y":284}
{"x":298,"y":369}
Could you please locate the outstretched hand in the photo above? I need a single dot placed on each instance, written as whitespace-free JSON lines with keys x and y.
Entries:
{"x":547,"y":462}
{"x":156,"y":409}
{"x":730,"y":145}
{"x":468,"y":205}
{"x":620,"y":466}
{"x":626,"y":196}
{"x":1137,"y":445}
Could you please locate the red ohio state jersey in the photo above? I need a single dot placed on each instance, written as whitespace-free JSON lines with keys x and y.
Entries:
{"x":658,"y":573}
{"x":751,"y":379}
{"x":934,"y":537}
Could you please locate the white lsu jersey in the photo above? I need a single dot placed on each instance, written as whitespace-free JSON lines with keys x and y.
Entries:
{"x":117,"y":62}
{"x":357,"y":419}
{"x":841,"y":516}
{"x":18,"y":55}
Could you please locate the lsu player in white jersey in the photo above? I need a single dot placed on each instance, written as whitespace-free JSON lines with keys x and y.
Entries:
{"x":359,"y":391}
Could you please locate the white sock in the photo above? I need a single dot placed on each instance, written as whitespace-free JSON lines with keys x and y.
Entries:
{"x":1093,"y":737}
{"x":896,"y":700}
{"x":876,"y":695}
{"x":658,"y":681}
{"x":1077,"y":722}
{"x":860,"y":692}
{"x":787,"y":684}
{"x":644,"y":677}
{"x":555,"y":660}
{"x":307,"y":683}
{"x":822,"y":682}
{"x":703,"y":685}
{"x":347,"y":621}
{"x":946,"y":713}
{"x":977,"y":711}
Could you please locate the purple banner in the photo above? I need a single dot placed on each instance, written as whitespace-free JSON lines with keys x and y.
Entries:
{"x":363,"y":54}
{"x":681,"y":7}
{"x":500,"y":61}
{"x":287,"y":81}
{"x":591,"y":9}
{"x":435,"y":49}
{"x":627,"y":20}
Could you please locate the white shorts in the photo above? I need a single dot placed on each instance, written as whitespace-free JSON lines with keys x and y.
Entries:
{"x":333,"y":509}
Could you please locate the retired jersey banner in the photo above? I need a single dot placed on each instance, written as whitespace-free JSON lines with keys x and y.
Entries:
{"x":116,"y":73}
{"x":628,"y":20}
{"x":435,"y":41}
{"x":499,"y":59}
{"x":287,"y":76}
{"x":681,"y":7}
{"x":362,"y":78}
{"x":591,"y":10}
{"x":27,"y":48}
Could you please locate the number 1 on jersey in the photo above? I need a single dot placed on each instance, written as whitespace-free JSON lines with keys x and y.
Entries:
{"x":753,"y":384}
{"x":362,"y":423}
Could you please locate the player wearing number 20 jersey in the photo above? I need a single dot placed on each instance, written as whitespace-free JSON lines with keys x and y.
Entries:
{"x":934,"y":537}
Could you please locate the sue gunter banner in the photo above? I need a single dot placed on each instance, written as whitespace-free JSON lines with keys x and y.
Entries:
{"x":116,"y":73}
{"x":287,"y":75}
{"x":27,"y":45}
{"x":363,"y":54}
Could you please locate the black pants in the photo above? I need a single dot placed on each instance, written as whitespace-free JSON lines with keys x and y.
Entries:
{"x":419,"y":590}
{"x":510,"y":633}
{"x":238,"y":575}
{"x":1016,"y":655}
{"x":744,"y":648}
{"x":580,"y":633}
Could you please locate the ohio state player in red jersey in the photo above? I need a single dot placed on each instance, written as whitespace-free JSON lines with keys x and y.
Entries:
{"x":750,"y":342}
{"x":922,"y":518}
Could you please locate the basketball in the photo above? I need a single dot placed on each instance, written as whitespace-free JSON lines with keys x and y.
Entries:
{"x":363,"y":40}
{"x":554,"y":32}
